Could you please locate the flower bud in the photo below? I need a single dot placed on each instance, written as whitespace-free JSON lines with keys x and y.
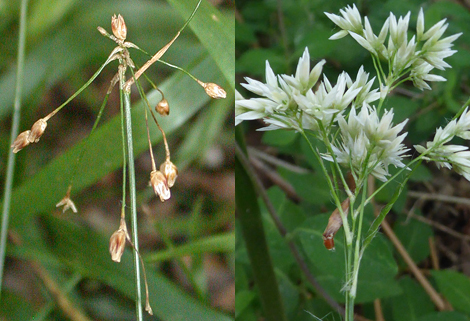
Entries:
{"x":117,"y":242}
{"x":163,"y":108}
{"x":21,"y":141}
{"x":160,"y":185}
{"x":37,"y":130}
{"x":103,"y":31}
{"x":119,"y":27}
{"x":170,"y":172}
{"x":214,"y":90}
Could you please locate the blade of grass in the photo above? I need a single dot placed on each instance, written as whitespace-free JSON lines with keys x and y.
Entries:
{"x":249,"y":215}
{"x":14,"y":132}
{"x":217,"y":243}
{"x":216,"y":32}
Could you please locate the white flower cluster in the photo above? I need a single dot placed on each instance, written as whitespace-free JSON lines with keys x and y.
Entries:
{"x":449,"y":156}
{"x":289,"y":101}
{"x":424,"y":52}
{"x":369,"y":144}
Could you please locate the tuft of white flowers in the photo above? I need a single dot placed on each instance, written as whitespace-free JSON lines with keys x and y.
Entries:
{"x":417,"y":57}
{"x":450,"y":156}
{"x":368,"y":142}
{"x":290,"y":103}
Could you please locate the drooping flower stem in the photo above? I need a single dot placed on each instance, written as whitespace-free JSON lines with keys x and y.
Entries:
{"x":126,"y":100}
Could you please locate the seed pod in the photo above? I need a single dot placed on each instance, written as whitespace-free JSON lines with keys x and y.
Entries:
{"x":334,"y":224}
{"x":160,"y":185}
{"x":21,"y":141}
{"x":119,"y":27}
{"x":117,"y":242}
{"x":213,"y":90}
{"x":170,"y":171}
{"x":163,"y":108}
{"x":37,"y":130}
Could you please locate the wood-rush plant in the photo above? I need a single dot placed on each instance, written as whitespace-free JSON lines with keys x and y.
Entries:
{"x":161,"y":179}
{"x":356,"y":137}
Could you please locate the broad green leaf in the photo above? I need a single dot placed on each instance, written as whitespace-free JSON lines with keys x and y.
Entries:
{"x":455,"y":287}
{"x":290,"y":294}
{"x":412,"y":303}
{"x":414,"y":236}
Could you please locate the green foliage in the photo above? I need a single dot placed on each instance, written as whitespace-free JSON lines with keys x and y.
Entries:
{"x":412,"y":303}
{"x":64,"y":49}
{"x":262,"y":34}
{"x":455,"y":287}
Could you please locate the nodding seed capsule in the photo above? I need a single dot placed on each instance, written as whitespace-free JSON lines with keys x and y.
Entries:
{"x":214,"y":90}
{"x":37,"y":130}
{"x":163,"y":108}
{"x":170,"y":171}
{"x":160,"y":185}
{"x":21,"y":141}
{"x":117,"y":242}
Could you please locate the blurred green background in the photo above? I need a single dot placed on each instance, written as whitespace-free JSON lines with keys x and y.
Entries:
{"x":279,"y":31}
{"x":188,"y":241}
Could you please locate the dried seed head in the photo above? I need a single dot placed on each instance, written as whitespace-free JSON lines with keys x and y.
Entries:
{"x":170,"y":172}
{"x":119,"y":27}
{"x":334,"y":223}
{"x":163,"y":108}
{"x":213,"y":90}
{"x":117,"y":242}
{"x":160,"y":185}
{"x":21,"y":141}
{"x":67,"y":203}
{"x":37,"y":130}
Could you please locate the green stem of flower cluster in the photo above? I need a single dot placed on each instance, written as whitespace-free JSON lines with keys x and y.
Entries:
{"x":133,"y":199}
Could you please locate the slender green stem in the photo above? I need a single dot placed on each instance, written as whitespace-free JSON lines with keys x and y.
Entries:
{"x":347,"y":231}
{"x":14,"y":132}
{"x":126,"y":98}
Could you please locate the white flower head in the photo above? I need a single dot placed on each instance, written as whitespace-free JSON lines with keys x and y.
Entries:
{"x":369,"y":143}
{"x":304,"y":79}
{"x":450,"y":156}
{"x":350,"y":21}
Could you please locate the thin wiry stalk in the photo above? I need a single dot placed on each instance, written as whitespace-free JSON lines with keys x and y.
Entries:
{"x":13,"y":135}
{"x":126,"y":100}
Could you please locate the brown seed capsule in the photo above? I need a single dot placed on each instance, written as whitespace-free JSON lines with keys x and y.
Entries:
{"x":163,"y":108}
{"x":37,"y":130}
{"x":117,"y":242}
{"x":334,"y":223}
{"x":119,"y":27}
{"x":214,"y":90}
{"x":160,"y":185}
{"x":21,"y":141}
{"x":170,"y":171}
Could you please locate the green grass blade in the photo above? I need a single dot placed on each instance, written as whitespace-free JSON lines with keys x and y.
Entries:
{"x":216,"y":31}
